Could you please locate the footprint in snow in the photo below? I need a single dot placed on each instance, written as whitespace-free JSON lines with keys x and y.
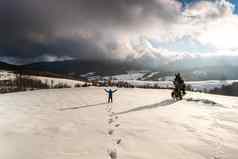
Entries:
{"x":112,"y":154}
{"x":112,"y":113}
{"x":117,"y":125}
{"x":110,"y":132}
{"x":118,"y":141}
{"x":110,"y":121}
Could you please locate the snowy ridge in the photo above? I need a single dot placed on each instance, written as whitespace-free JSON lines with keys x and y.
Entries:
{"x":56,"y":81}
{"x":8,"y":75}
{"x":128,"y":76}
{"x":196,"y":85}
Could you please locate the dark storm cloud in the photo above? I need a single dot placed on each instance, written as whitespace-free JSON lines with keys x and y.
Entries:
{"x":32,"y":28}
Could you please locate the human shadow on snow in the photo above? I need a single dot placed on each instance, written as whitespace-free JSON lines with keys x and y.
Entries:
{"x":80,"y":107}
{"x":164,"y":103}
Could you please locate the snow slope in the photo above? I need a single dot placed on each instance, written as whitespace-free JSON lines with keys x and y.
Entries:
{"x":196,"y":85}
{"x":129,"y":76}
{"x":8,"y":75}
{"x":140,"y":124}
{"x":56,"y":81}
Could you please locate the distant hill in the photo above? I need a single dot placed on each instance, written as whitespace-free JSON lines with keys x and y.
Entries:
{"x":28,"y":71}
{"x":77,"y":67}
{"x":230,"y":90}
{"x":6,"y":66}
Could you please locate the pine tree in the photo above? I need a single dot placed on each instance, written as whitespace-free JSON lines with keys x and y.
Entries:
{"x":179,"y":87}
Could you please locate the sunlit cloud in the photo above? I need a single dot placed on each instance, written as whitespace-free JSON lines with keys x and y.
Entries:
{"x":163,"y":30}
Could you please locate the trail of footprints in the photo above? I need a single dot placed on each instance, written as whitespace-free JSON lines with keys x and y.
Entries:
{"x":113,"y":125}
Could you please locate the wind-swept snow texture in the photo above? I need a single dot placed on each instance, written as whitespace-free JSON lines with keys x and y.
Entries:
{"x":140,"y":124}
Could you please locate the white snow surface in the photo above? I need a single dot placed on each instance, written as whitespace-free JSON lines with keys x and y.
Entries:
{"x":196,"y":85}
{"x":128,"y":76}
{"x":76,"y":123}
{"x":56,"y":81}
{"x":8,"y":75}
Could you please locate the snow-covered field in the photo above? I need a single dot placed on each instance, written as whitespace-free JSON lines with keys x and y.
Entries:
{"x":209,"y":85}
{"x":56,"y":81}
{"x":8,"y":75}
{"x":196,"y":85}
{"x":129,"y":76}
{"x":140,"y":124}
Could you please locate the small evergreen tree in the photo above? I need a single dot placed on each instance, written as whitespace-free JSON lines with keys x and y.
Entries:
{"x":179,"y":87}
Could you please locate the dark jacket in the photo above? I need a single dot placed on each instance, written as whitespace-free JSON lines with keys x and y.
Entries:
{"x":110,"y":92}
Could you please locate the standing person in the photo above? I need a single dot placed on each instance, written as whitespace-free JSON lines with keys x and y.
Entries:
{"x":110,"y":93}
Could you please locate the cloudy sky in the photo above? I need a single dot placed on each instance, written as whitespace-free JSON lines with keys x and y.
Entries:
{"x":49,"y":30}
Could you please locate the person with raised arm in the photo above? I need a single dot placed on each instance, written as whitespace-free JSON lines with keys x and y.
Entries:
{"x":110,"y":94}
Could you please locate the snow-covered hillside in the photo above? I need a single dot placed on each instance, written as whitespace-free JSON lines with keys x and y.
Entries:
{"x":140,"y":75}
{"x":196,"y":85}
{"x":8,"y":75}
{"x":48,"y":81}
{"x":143,"y":78}
{"x":140,"y":124}
{"x":130,"y":75}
